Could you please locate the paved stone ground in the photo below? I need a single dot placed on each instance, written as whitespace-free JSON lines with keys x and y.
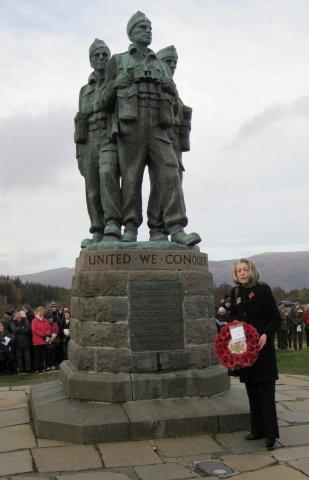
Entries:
{"x":22,"y":456}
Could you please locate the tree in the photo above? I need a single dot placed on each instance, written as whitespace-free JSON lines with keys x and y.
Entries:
{"x":221,"y":290}
{"x":279,"y":294}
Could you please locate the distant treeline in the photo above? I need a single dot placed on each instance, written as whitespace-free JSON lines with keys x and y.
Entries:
{"x":279,"y":293}
{"x":15,"y":293}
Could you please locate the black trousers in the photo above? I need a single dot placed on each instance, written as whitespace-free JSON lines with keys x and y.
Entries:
{"x":23,"y":359}
{"x":263,"y":414}
{"x":39,"y":352}
{"x":307,"y":336}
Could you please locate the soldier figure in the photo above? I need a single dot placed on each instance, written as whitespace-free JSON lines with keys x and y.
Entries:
{"x":91,"y":136}
{"x":141,"y":93}
{"x":180,"y":137}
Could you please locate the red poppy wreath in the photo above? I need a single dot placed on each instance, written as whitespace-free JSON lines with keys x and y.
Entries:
{"x":234,"y":351}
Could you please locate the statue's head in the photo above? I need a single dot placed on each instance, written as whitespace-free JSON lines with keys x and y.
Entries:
{"x":169,"y":56}
{"x":99,"y":55}
{"x":139,"y":29}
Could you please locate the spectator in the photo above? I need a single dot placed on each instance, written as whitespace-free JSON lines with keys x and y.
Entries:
{"x":65,"y":333}
{"x":41,"y":333}
{"x":29,"y":312}
{"x":283,"y":329}
{"x":52,"y":344}
{"x":306,"y":323}
{"x":7,"y":364}
{"x":221,"y":318}
{"x":297,"y":314}
{"x":53,"y":308}
{"x":21,"y":331}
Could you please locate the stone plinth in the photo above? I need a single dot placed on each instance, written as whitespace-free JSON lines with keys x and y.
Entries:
{"x":142,"y":334}
{"x":142,"y":325}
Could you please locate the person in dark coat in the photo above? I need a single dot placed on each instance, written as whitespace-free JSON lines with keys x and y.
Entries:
{"x":21,"y":331}
{"x":65,"y":333}
{"x":7,"y":363}
{"x":253,"y":302}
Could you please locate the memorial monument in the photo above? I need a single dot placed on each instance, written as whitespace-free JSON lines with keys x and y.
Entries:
{"x":141,"y":360}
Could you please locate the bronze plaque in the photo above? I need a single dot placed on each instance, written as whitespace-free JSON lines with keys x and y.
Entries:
{"x":156,"y":316}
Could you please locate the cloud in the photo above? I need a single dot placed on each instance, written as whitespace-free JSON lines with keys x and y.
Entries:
{"x":269,"y":117}
{"x":35,"y":149}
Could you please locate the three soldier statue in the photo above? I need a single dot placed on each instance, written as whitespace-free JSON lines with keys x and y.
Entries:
{"x":130,"y":115}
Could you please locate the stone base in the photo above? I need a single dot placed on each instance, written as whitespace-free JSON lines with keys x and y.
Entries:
{"x":123,"y":387}
{"x":56,"y":417}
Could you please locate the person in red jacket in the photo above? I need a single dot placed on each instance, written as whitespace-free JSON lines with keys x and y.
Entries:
{"x":306,"y":322}
{"x":41,"y":334}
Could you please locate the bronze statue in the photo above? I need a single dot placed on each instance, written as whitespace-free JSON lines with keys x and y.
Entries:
{"x":141,"y":96}
{"x":180,"y":137}
{"x":91,"y":137}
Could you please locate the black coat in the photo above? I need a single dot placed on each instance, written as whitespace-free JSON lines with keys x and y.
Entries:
{"x":21,"y":331}
{"x":256,"y":306}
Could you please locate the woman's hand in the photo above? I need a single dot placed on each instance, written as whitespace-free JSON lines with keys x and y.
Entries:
{"x":262,"y":341}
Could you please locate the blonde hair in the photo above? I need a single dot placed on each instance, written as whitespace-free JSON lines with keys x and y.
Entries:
{"x":40,"y":310}
{"x":254,"y":274}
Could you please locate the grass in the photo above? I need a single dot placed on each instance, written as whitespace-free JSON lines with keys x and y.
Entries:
{"x":7,"y":380}
{"x":293,"y":362}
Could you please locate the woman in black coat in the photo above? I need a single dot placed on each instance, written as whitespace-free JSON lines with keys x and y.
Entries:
{"x":253,"y":302}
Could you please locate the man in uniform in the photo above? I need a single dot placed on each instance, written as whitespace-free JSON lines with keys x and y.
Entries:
{"x":180,"y":137}
{"x":142,"y":94}
{"x":91,"y":141}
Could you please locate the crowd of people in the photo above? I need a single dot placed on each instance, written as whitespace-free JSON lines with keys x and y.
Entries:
{"x":293,"y":328}
{"x":34,"y":341}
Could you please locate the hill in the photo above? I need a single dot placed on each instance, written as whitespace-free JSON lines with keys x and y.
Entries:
{"x":288,"y":270}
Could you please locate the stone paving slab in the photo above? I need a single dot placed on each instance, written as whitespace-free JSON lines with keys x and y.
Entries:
{"x":9,"y":399}
{"x":17,"y":437}
{"x":295,"y":381}
{"x":165,"y":471}
{"x":302,"y":405}
{"x":45,"y":442}
{"x":294,"y":435}
{"x":35,"y":476}
{"x":283,"y":397}
{"x":24,"y":388}
{"x":128,"y":453}
{"x":292,"y":453}
{"x":236,"y":442}
{"x":94,"y":476}
{"x":71,"y":458}
{"x":298,"y":393}
{"x":178,"y":447}
{"x":293,"y":417}
{"x":249,"y":461}
{"x":17,"y":416}
{"x":15,"y":462}
{"x":278,"y":472}
{"x":301,"y":464}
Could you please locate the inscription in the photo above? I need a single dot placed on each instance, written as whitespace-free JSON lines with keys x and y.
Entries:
{"x":156,"y":316}
{"x":140,"y":260}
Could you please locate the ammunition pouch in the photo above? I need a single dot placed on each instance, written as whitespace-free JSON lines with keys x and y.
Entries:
{"x":127,"y":104}
{"x":185,"y":128}
{"x":81,"y":128}
{"x":166,"y":110}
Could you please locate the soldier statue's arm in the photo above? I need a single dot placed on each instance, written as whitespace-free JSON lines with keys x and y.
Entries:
{"x":80,"y":123}
{"x":113,"y":82}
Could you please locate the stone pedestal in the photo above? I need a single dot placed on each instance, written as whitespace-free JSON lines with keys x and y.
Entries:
{"x":142,"y":325}
{"x":142,"y":329}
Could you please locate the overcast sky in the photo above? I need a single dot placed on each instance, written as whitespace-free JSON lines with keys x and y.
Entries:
{"x":243,"y":67}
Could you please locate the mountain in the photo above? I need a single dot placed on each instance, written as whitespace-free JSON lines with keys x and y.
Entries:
{"x":58,"y":277}
{"x":288,"y":270}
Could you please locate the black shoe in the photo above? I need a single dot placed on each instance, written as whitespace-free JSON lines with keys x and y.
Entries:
{"x":271,"y":444}
{"x":252,"y":436}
